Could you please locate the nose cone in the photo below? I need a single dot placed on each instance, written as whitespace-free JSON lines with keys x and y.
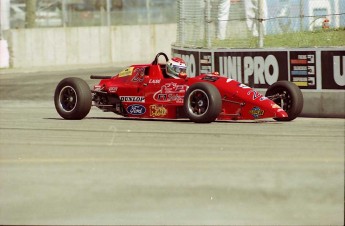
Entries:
{"x":280,"y":113}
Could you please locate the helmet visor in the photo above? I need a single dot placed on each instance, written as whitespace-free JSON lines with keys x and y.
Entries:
{"x":179,"y":69}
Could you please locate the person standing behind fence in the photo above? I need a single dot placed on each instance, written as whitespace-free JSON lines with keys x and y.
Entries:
{"x":223,"y":17}
{"x":252,"y":15}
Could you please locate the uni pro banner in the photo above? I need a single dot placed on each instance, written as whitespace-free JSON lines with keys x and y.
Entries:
{"x":258,"y":69}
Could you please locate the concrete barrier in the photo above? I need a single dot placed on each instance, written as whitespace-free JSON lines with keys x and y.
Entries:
{"x":88,"y":45}
{"x":324,"y":104}
{"x":4,"y":54}
{"x":319,"y":72}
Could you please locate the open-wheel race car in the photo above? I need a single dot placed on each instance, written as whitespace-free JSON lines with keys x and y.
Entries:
{"x":148,"y":91}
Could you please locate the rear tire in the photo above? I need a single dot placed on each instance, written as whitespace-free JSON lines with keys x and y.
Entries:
{"x":288,"y":96}
{"x":202,"y":102}
{"x":73,"y":98}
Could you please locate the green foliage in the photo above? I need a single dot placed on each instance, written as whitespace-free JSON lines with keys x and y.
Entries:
{"x":318,"y":38}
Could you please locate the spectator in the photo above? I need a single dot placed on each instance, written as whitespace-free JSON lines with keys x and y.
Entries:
{"x":252,"y":15}
{"x":251,"y":12}
{"x":223,"y":17}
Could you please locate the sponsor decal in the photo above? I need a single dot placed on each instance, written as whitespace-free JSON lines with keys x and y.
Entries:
{"x":136,"y":109}
{"x":304,"y":82}
{"x":171,"y":92}
{"x":158,"y":111}
{"x":205,"y":62}
{"x":154,"y":81}
{"x":302,"y":69}
{"x":132,"y":99}
{"x":255,"y":94}
{"x":260,"y":69}
{"x":243,"y":86}
{"x":126,"y":72}
{"x":256,"y":112}
{"x":139,"y":74}
{"x":113,"y":89}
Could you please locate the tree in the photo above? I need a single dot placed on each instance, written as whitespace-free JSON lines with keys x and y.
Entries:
{"x":30,"y":17}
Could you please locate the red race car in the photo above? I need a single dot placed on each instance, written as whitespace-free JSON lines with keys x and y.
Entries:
{"x":151,"y":91}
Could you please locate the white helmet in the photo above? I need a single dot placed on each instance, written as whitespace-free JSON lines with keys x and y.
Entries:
{"x":176,"y":68}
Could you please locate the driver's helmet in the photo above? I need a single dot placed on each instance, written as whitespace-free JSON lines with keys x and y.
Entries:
{"x":176,"y":68}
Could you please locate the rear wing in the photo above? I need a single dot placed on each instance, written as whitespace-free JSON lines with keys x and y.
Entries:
{"x":100,"y":77}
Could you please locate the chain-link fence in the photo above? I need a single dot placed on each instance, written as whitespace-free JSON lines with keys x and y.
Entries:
{"x":121,"y":12}
{"x":260,"y":23}
{"x":75,"y":13}
{"x":201,"y":23}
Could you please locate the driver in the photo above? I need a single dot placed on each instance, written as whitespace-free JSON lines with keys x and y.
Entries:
{"x":176,"y":68}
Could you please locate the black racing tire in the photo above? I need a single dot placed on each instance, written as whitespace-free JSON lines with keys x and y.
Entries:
{"x":290,"y":98}
{"x":202,"y":102}
{"x":73,"y":98}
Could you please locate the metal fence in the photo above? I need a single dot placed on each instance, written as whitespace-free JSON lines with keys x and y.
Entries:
{"x":127,"y":12}
{"x":75,"y":13}
{"x":260,"y":23}
{"x":201,"y":23}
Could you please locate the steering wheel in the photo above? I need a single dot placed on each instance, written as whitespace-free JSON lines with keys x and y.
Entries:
{"x":155,"y":61}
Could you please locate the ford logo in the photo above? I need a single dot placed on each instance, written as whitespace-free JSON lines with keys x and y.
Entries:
{"x":136,"y":109}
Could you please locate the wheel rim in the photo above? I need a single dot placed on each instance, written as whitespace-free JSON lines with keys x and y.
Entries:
{"x":198,"y":102}
{"x":284,"y":100}
{"x":68,"y":98}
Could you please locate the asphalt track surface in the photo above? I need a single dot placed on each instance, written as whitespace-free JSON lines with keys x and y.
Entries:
{"x":107,"y":169}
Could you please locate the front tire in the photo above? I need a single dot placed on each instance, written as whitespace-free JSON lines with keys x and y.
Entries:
{"x":202,"y":102}
{"x":73,"y":98}
{"x":288,"y":96}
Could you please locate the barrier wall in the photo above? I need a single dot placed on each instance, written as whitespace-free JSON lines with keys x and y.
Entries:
{"x":319,"y":72}
{"x":4,"y":54}
{"x":88,"y":45}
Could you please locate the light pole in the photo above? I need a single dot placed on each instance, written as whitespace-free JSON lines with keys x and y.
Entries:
{"x":261,"y":23}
